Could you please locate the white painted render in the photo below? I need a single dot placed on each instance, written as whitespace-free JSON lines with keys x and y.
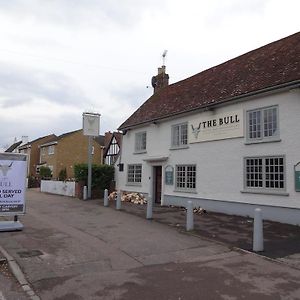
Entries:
{"x":58,"y":187}
{"x":220,"y":163}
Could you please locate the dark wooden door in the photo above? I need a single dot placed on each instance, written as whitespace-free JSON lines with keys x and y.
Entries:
{"x":157,"y":184}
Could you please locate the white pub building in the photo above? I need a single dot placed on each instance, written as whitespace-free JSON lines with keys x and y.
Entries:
{"x":227,"y":138}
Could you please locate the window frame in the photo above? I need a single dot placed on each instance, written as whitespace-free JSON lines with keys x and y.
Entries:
{"x":138,"y":144}
{"x":134,"y":175}
{"x":51,"y":152}
{"x":264,"y":188}
{"x":180,"y":144}
{"x":185,"y":188}
{"x":262,"y":138}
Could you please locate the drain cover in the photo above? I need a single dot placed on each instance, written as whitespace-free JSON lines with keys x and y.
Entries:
{"x":30,"y":253}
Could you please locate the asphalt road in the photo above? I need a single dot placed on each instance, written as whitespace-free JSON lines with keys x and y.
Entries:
{"x":73,"y":249}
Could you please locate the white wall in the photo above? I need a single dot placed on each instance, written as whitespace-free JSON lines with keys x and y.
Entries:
{"x":220,"y":170}
{"x":58,"y":187}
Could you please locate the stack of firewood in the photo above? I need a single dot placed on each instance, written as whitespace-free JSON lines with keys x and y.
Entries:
{"x":135,"y":198}
{"x":112,"y":196}
{"x":199,"y":210}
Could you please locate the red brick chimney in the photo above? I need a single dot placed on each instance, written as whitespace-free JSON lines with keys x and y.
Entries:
{"x":160,"y":80}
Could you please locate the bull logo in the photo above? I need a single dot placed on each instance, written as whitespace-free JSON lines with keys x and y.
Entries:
{"x":91,"y":120}
{"x":196,"y":131}
{"x":5,"y":168}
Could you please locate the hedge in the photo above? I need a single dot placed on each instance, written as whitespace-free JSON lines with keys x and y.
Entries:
{"x":102,"y":175}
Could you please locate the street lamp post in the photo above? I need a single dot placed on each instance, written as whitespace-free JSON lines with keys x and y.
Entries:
{"x":91,"y":128}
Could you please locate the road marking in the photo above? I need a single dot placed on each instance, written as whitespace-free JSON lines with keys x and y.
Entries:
{"x":2,"y":296}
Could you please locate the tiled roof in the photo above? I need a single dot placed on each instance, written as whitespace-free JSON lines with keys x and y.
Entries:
{"x":50,"y":136}
{"x":67,"y":133}
{"x":270,"y":66}
{"x":100,"y":140}
{"x":13,"y":146}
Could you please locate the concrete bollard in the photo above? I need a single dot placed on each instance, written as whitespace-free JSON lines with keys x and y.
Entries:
{"x":258,"y":234}
{"x":189,"y":216}
{"x":85,"y":192}
{"x":149,"y":208}
{"x":105,"y":197}
{"x":118,"y":202}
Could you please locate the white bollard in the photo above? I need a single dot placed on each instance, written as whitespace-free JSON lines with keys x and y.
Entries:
{"x":105,"y":197}
{"x":258,"y":234}
{"x":85,"y":192}
{"x":118,"y":202}
{"x":189,"y":216}
{"x":149,"y":208}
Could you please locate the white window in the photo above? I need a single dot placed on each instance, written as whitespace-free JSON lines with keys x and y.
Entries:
{"x":179,"y":135}
{"x":262,"y":124}
{"x":186,"y":177}
{"x":51,"y":149}
{"x":134,"y":175}
{"x":264,"y":173}
{"x":140,"y":141}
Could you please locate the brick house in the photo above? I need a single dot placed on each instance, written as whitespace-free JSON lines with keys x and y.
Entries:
{"x":226,"y":139}
{"x":68,"y":149}
{"x":32,"y":149}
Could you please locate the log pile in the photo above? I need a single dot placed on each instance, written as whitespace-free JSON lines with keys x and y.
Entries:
{"x":199,"y":210}
{"x":112,"y":196}
{"x":135,"y":198}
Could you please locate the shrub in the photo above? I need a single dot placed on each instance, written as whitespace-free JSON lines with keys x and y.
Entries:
{"x":62,"y":176}
{"x":45,"y":172}
{"x":102,"y":175}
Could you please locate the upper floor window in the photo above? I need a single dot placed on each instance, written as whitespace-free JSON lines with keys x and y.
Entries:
{"x":262,"y":124}
{"x":264,"y":173}
{"x":51,"y":149}
{"x":140,"y":141}
{"x":186,"y":177}
{"x":134,"y":174}
{"x":179,"y":135}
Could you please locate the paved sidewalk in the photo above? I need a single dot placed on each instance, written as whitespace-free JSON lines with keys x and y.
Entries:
{"x":281,"y":241}
{"x":73,"y":249}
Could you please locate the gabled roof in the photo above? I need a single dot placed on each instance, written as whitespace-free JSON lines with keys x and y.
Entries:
{"x":67,"y":133}
{"x":50,"y":136}
{"x":268,"y":67}
{"x":110,"y":136}
{"x":13,"y":147}
{"x":100,"y":140}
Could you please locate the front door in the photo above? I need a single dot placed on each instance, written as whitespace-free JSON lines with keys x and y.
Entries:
{"x":157,"y":184}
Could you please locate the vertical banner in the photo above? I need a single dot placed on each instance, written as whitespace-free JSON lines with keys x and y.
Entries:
{"x":13,"y":169}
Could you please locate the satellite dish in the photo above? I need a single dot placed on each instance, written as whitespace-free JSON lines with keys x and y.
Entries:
{"x":154,"y":81}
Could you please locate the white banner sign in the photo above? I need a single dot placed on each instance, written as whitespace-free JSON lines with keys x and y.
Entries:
{"x":91,"y":124}
{"x":216,"y":127}
{"x":13,"y":169}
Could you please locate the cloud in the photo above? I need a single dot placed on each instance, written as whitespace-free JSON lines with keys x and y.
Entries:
{"x":82,"y":13}
{"x":20,"y":85}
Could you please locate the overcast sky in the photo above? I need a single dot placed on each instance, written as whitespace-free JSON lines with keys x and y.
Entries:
{"x":59,"y":58}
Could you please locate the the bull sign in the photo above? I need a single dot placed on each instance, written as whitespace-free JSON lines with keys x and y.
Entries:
{"x":5,"y":168}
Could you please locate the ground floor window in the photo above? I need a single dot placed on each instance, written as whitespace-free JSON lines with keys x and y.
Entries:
{"x":134,"y":174}
{"x":186,"y":177}
{"x":265,"y":173}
